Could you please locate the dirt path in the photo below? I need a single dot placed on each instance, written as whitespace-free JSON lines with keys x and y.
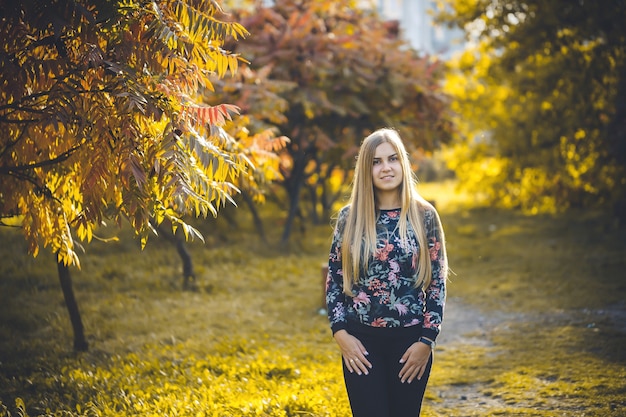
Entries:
{"x":464,"y":324}
{"x":466,"y":327}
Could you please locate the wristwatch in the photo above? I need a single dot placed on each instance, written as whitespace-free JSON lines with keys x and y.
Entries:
{"x":428,"y":342}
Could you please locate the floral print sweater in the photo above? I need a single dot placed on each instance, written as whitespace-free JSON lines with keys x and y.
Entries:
{"x":385,"y":295}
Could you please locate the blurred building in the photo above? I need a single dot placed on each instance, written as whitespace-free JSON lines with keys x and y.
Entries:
{"x":416,"y":24}
{"x":414,"y":20}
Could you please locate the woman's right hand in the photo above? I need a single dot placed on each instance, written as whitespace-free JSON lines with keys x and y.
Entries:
{"x":353,"y":352}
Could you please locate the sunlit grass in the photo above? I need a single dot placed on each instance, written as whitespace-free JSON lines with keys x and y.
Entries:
{"x":236,"y":377}
{"x":250,"y":341}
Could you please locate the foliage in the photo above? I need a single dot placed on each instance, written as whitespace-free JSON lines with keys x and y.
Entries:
{"x":333,"y":72}
{"x":262,"y":151}
{"x":540,"y":102}
{"x":101,"y":117}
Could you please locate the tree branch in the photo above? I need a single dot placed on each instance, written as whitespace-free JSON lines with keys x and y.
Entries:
{"x":8,"y":170}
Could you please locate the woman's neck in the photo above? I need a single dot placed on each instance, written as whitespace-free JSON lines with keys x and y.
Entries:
{"x":388,"y":201}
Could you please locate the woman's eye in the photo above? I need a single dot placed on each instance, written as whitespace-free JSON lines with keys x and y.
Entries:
{"x":376,"y":161}
{"x":393,"y":158}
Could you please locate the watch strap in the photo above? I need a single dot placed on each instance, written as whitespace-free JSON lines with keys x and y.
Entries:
{"x":427,"y":341}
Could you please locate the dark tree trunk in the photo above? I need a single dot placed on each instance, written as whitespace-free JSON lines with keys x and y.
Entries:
{"x":189,"y":276}
{"x":328,"y":198}
{"x":294,"y":186}
{"x":80,"y":343}
{"x":258,"y":223}
{"x":617,"y":144}
{"x":324,"y":199}
{"x":314,"y":217}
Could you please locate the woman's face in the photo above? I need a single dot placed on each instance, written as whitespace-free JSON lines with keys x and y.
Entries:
{"x":386,"y":168}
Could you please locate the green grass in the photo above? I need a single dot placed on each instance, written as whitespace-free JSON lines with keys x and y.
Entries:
{"x":250,"y":341}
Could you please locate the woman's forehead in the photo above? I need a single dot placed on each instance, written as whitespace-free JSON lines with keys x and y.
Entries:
{"x":384,"y":149}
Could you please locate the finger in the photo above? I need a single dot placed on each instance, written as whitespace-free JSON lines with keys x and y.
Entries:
{"x":421,"y":372}
{"x":361,"y":354}
{"x":361,"y":366}
{"x":407,"y":367}
{"x":349,"y":364}
{"x":356,"y":365}
{"x":363,"y":360}
{"x":409,"y":374}
{"x":423,"y":367}
{"x":362,"y":348}
{"x":415,"y":372}
{"x":402,"y":378}
{"x":410,"y":371}
{"x":404,"y":372}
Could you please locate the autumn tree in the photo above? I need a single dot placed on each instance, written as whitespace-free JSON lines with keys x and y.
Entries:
{"x":339,"y":72}
{"x":544,"y":89}
{"x":100,"y":118}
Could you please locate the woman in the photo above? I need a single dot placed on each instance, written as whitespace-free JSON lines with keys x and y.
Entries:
{"x":386,"y":282}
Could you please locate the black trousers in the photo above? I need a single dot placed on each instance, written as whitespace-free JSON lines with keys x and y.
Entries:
{"x":381,"y":393}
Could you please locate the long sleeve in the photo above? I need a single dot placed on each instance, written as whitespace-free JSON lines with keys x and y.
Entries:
{"x":436,"y":291}
{"x":385,"y":294}
{"x":335,"y":298}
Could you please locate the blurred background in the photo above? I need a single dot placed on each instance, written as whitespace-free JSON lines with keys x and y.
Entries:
{"x":170,"y":172}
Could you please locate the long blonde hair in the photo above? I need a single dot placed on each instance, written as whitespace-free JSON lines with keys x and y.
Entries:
{"x":359,"y":234}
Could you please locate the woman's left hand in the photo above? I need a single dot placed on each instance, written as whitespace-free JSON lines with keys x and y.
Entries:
{"x":415,"y":360}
